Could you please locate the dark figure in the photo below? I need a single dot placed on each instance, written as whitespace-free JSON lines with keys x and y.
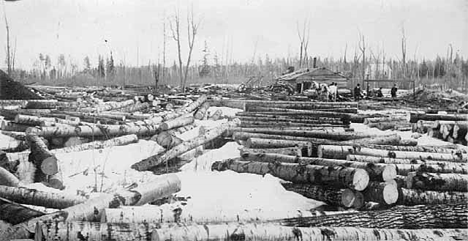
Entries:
{"x":379,"y":92}
{"x":357,"y":92}
{"x":394,"y":91}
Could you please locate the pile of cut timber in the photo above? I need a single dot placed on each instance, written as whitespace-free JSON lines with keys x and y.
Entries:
{"x":448,"y":127}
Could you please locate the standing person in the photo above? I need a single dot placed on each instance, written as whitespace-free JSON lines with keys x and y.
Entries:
{"x":336,"y":91}
{"x":394,"y":91}
{"x":379,"y":92}
{"x":332,"y":91}
{"x":357,"y":92}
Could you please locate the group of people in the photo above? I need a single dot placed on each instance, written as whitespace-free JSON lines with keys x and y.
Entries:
{"x":358,"y":94}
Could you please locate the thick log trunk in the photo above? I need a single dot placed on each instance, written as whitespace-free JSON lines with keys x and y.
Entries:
{"x":166,"y":140}
{"x":244,"y":136}
{"x":15,"y":213}
{"x":339,"y":176}
{"x":332,"y":196}
{"x":8,"y":179}
{"x":385,"y":119}
{"x":399,"y":217}
{"x":385,"y":193}
{"x":440,"y":167}
{"x":160,"y":187}
{"x":176,"y":123}
{"x":136,"y":107}
{"x":290,"y":151}
{"x":278,"y":232}
{"x":11,"y":126}
{"x":377,"y":172}
{"x":273,"y":143}
{"x":302,"y":105}
{"x":118,"y":141}
{"x":32,"y":120}
{"x":202,"y":111}
{"x":341,"y":152}
{"x":285,"y":119}
{"x":40,"y":198}
{"x":392,"y":139}
{"x":414,"y":117}
{"x":460,"y":131}
{"x":420,"y":148}
{"x":411,"y":197}
{"x":111,"y":105}
{"x":41,"y":104}
{"x":184,"y":147}
{"x":437,"y":182}
{"x":54,"y":131}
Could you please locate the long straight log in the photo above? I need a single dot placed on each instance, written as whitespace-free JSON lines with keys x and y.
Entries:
{"x":273,"y":143}
{"x":253,"y":124}
{"x":14,"y":213}
{"x":40,"y":198}
{"x":244,"y":136}
{"x":11,"y":126}
{"x":346,"y":117}
{"x":392,"y":139}
{"x":399,"y":217}
{"x":410,"y":197}
{"x":290,"y":151}
{"x":339,"y":176}
{"x":419,"y":148}
{"x":176,"y":123}
{"x":437,"y":181}
{"x":414,"y":117}
{"x":341,"y":152}
{"x":108,"y":106}
{"x":41,"y":104}
{"x":376,"y":171}
{"x":32,"y":120}
{"x":384,"y":119}
{"x":53,"y":131}
{"x":184,"y":147}
{"x":336,"y":121}
{"x":332,"y":196}
{"x":118,"y":141}
{"x":278,"y":232}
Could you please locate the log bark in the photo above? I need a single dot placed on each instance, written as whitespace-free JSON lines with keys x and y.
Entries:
{"x":166,"y":140}
{"x":111,"y":105}
{"x":176,"y":123}
{"x":392,"y":139}
{"x":339,"y":176}
{"x":11,"y":126}
{"x":54,"y":131}
{"x":14,"y":213}
{"x":332,"y":196}
{"x":460,"y":131}
{"x":440,"y":167}
{"x":273,"y":143}
{"x":414,"y":117}
{"x":160,"y":187}
{"x":202,"y":111}
{"x":41,"y":104}
{"x":385,"y":193}
{"x":385,"y":119}
{"x":399,"y":217}
{"x":376,"y":171}
{"x":32,"y":120}
{"x":184,"y":147}
{"x":40,"y":198}
{"x":437,"y":182}
{"x":278,"y":232}
{"x":8,"y":179}
{"x":411,"y":197}
{"x":424,"y":126}
{"x":285,"y":119}
{"x":251,"y":124}
{"x":420,"y":148}
{"x":290,"y":151}
{"x":216,"y":115}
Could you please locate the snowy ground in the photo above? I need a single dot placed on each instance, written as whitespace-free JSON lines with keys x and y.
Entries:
{"x":211,"y":196}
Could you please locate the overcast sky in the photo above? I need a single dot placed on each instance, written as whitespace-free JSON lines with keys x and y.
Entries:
{"x":134,"y":28}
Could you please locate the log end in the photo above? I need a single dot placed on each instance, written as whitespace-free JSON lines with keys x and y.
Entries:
{"x":389,"y":172}
{"x":360,"y":179}
{"x":390,"y":193}
{"x":347,"y":198}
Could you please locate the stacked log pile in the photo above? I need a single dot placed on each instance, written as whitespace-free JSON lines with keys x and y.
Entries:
{"x":448,"y":127}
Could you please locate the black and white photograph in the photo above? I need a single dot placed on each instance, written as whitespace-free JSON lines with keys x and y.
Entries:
{"x":233,"y":120}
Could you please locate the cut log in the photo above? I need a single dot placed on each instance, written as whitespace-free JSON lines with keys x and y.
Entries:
{"x":385,"y":193}
{"x":32,"y":120}
{"x":166,"y":140}
{"x":184,"y":147}
{"x":346,"y":117}
{"x":414,"y":117}
{"x":420,"y":148}
{"x":273,"y":143}
{"x":14,"y":213}
{"x":332,"y":196}
{"x":399,"y":217}
{"x":459,"y":131}
{"x":434,"y":133}
{"x":216,"y":115}
{"x":286,"y":119}
{"x":385,"y":119}
{"x":157,"y":188}
{"x":278,"y":232}
{"x":8,"y":179}
{"x":437,"y":182}
{"x":341,"y":152}
{"x":393,"y":139}
{"x":175,"y":123}
{"x":11,"y":126}
{"x":446,"y":130}
{"x":55,"y":131}
{"x":40,"y":198}
{"x":201,"y":112}
{"x":117,"y":141}
{"x":424,"y":126}
{"x":377,"y":172}
{"x":41,"y":104}
{"x":440,"y":167}
{"x":411,"y":197}
{"x":111,"y":105}
{"x":290,"y":151}
{"x":339,"y":176}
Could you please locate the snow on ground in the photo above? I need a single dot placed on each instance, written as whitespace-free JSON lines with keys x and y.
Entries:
{"x":227,"y":111}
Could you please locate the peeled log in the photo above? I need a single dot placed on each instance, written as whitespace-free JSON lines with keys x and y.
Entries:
{"x":332,"y":196}
{"x":399,"y":217}
{"x":377,"y":172}
{"x":184,"y":147}
{"x":339,"y":176}
{"x":291,"y":151}
{"x":410,"y":197}
{"x":40,"y":198}
{"x":273,"y":143}
{"x":437,"y":182}
{"x":278,"y":232}
{"x":166,"y":140}
{"x":175,"y":123}
{"x":385,"y":193}
{"x":201,"y":112}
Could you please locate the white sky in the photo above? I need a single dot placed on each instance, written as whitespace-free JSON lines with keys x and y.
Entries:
{"x":78,"y":28}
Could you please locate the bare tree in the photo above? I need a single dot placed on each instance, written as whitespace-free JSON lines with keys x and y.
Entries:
{"x":163,"y":72}
{"x":362,"y":47}
{"x":8,"y":49}
{"x":403,"y":50}
{"x":192,"y":30}
{"x":304,"y":42}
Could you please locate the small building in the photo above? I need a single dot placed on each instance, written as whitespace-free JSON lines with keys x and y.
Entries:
{"x":303,"y":79}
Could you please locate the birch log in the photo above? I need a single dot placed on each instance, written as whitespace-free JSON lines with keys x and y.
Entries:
{"x":412,"y":197}
{"x":437,"y":182}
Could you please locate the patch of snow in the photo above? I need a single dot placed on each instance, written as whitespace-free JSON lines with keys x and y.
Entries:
{"x":205,"y":161}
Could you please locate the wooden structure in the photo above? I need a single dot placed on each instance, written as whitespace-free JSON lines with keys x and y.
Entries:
{"x":405,"y":81}
{"x":302,"y":79}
